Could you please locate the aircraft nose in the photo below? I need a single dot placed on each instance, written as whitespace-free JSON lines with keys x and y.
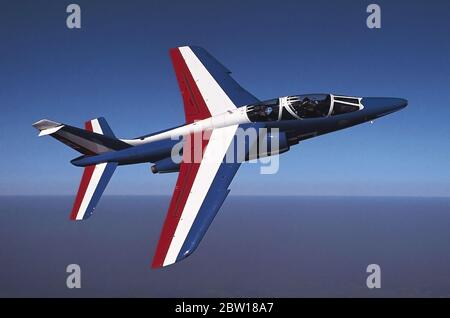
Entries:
{"x":397,"y":103}
{"x":381,"y":106}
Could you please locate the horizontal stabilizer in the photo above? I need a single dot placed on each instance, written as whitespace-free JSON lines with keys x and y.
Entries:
{"x":47,"y":127}
{"x":96,"y":138}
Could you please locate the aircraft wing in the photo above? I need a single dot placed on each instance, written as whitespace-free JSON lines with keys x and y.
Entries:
{"x":206,"y":85}
{"x":199,"y":193}
{"x":202,"y":186}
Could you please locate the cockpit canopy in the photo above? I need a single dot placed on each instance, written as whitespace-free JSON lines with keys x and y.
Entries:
{"x":302,"y":107}
{"x":308,"y":106}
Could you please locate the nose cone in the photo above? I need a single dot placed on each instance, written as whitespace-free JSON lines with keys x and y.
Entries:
{"x":381,"y":106}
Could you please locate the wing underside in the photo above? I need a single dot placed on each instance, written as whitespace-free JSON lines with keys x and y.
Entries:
{"x":202,"y":185}
{"x":200,"y":191}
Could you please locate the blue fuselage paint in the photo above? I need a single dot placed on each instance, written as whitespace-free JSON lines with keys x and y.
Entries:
{"x":150,"y":152}
{"x":299,"y":129}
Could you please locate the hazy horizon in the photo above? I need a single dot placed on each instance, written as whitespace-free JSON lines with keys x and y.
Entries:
{"x":240,"y":195}
{"x":264,"y":247}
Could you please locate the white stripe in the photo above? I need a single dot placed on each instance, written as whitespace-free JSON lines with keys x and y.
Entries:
{"x":215,"y":98}
{"x":236,"y":117}
{"x":98,"y":171}
{"x":215,"y":151}
{"x":96,"y":126}
{"x":331,"y":105}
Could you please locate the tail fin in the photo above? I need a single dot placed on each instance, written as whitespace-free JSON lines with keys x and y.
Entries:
{"x":92,"y":185}
{"x":95,"y":139}
{"x":99,"y":126}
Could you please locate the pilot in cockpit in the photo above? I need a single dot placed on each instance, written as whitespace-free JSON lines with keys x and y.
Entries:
{"x":308,"y":108}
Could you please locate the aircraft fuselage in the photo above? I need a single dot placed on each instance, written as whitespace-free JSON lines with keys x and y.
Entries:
{"x":299,"y":117}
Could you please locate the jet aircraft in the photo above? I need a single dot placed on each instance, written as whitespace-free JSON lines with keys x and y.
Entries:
{"x":216,"y":107}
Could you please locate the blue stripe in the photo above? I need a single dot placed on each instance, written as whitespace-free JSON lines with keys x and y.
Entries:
{"x":216,"y":195}
{"x":105,"y":127}
{"x":238,"y":95}
{"x":148,"y":152}
{"x":101,"y":186}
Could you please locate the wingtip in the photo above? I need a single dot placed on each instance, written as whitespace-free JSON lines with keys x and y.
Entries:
{"x":185,"y":46}
{"x":156,"y":265}
{"x":160,"y":266}
{"x":173,"y":50}
{"x":159,"y":263}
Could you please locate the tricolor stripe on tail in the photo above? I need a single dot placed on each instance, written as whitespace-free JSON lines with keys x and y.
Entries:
{"x":93,"y":183}
{"x":95,"y":178}
{"x":96,"y":138}
{"x":99,"y":126}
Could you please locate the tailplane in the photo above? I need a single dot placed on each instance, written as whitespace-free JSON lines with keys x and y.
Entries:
{"x":96,"y":138}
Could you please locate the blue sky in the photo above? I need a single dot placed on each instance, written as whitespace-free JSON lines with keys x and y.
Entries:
{"x":117,"y":66}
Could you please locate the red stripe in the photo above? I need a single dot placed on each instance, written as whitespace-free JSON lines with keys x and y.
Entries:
{"x":87,"y":174}
{"x":195,"y":107}
{"x":88,"y":126}
{"x":186,"y":177}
